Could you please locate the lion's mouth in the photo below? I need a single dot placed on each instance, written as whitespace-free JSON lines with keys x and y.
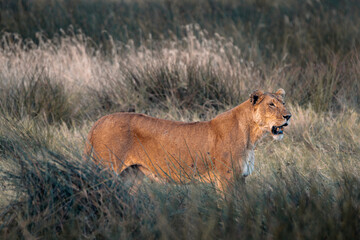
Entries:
{"x":277,"y":130}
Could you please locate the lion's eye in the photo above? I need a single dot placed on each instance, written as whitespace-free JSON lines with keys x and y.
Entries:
{"x":272,"y":105}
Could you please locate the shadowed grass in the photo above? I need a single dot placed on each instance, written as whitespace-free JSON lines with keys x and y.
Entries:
{"x":38,"y":98}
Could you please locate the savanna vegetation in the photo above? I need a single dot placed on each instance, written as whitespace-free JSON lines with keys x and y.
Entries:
{"x":64,"y":64}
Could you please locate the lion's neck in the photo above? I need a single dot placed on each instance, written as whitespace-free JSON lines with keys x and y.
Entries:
{"x":256,"y":135}
{"x":254,"y":131}
{"x":244,"y":125}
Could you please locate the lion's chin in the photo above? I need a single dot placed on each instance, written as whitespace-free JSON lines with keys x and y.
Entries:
{"x":278,"y":137}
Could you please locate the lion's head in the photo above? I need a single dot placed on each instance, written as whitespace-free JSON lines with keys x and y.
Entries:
{"x":270,"y":112}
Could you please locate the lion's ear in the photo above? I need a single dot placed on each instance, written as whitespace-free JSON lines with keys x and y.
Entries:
{"x":256,"y":96}
{"x":280,"y":92}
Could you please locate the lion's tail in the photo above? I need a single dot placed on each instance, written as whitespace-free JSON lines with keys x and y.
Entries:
{"x":89,"y":149}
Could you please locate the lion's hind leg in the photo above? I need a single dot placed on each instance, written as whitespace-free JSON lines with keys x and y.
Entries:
{"x":135,"y":176}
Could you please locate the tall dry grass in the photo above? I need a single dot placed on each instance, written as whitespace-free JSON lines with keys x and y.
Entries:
{"x":195,"y":73}
{"x":51,"y":93}
{"x":55,"y":86}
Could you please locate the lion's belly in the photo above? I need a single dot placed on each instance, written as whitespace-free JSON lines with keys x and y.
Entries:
{"x":248,"y":164}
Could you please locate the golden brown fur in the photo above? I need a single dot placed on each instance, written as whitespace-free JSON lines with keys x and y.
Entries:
{"x":212,"y":150}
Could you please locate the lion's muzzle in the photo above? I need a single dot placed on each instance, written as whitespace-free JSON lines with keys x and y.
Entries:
{"x":276,"y":130}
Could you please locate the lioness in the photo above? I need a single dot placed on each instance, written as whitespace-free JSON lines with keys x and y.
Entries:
{"x":215,"y":150}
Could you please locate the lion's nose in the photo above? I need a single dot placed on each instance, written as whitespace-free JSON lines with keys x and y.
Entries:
{"x":287,"y":117}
